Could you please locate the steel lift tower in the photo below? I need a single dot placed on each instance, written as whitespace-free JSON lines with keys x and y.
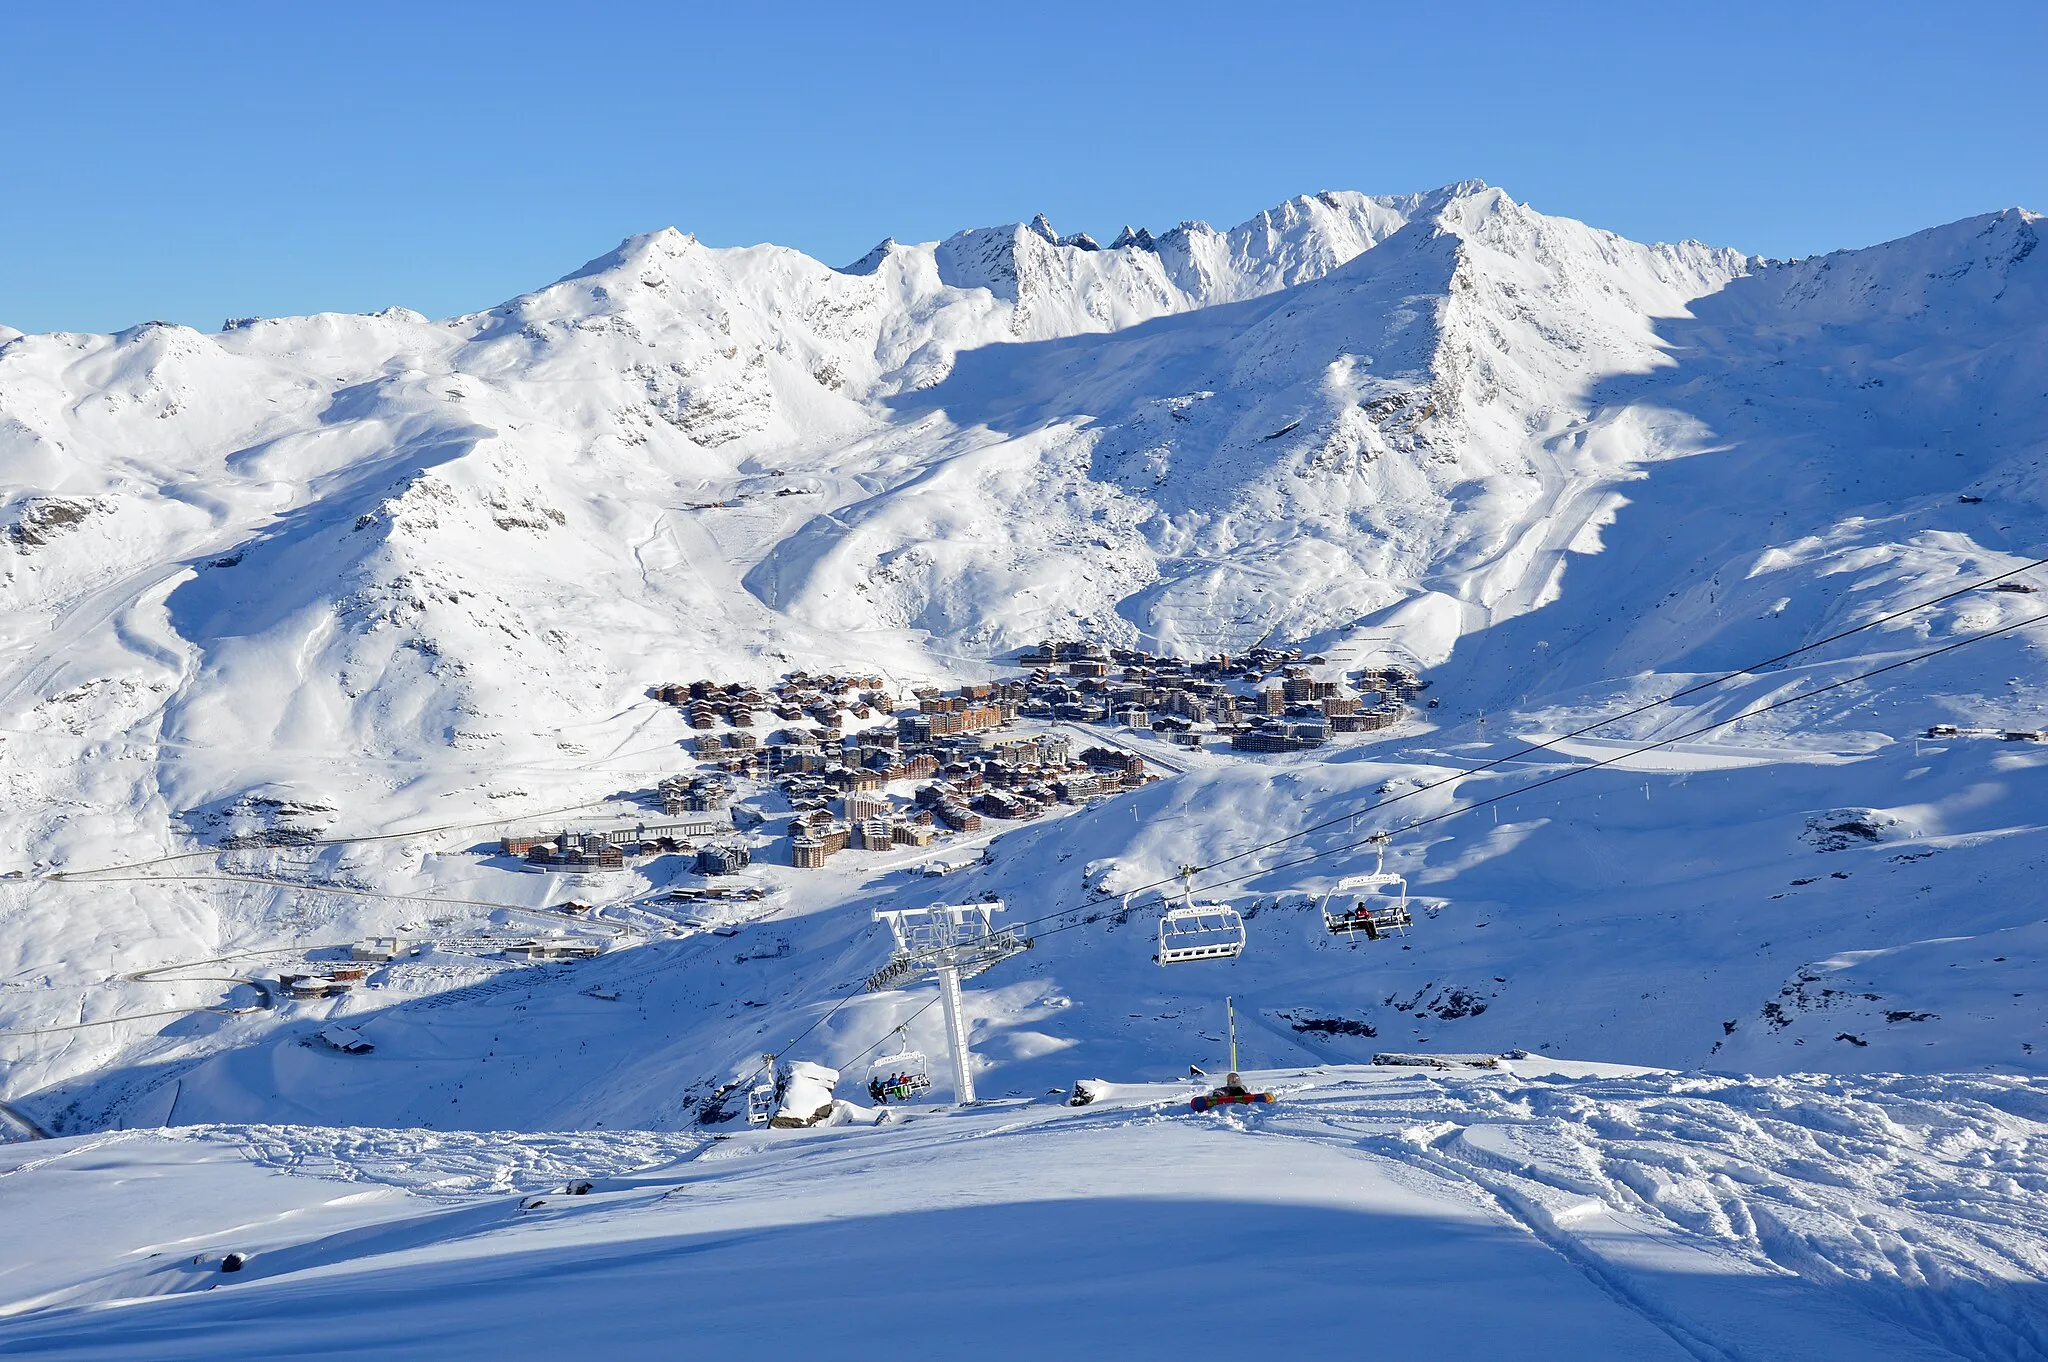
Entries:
{"x":947,"y":943}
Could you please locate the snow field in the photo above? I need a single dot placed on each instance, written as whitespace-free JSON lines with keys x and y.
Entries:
{"x":1551,"y":1209}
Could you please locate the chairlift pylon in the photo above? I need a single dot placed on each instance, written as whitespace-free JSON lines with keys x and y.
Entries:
{"x":899,"y":1077}
{"x":947,"y":943}
{"x":1198,"y":931}
{"x":1375,"y":919}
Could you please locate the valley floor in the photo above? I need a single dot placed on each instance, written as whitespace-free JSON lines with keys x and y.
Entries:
{"x":1550,"y":1209}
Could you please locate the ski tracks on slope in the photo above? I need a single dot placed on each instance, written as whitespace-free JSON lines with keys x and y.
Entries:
{"x":1921,"y":1200}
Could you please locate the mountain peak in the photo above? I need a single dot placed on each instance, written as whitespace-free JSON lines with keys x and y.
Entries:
{"x":872,"y":261}
{"x":641,"y":249}
{"x":1465,"y":189}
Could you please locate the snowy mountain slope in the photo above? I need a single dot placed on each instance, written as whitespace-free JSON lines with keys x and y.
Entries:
{"x":1556,"y":1209}
{"x":1328,"y":447}
{"x":394,"y":574}
{"x":468,"y":510}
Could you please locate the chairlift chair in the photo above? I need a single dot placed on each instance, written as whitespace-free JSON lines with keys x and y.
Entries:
{"x":1199,"y":931}
{"x":1374,"y":919}
{"x":764,"y":1097}
{"x":899,"y":1077}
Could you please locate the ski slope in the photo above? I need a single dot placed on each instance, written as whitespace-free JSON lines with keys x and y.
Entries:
{"x":1552,"y":1209}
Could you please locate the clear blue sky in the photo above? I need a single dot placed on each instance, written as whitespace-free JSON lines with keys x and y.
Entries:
{"x":198,"y":161}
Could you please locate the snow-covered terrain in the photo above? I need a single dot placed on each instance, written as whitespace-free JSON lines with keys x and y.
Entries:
{"x":1558,"y":1210}
{"x":298,"y":617}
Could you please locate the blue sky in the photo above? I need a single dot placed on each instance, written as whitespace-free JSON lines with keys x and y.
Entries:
{"x":194,"y":162}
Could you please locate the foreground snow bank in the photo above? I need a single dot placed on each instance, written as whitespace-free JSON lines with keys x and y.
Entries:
{"x":1562,"y":1210}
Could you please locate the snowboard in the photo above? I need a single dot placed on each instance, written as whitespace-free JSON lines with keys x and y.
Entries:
{"x":1208,"y":1100}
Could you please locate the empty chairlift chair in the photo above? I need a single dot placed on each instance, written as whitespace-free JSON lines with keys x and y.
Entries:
{"x":899,"y":1077}
{"x":1199,"y":931}
{"x":1374,"y":904}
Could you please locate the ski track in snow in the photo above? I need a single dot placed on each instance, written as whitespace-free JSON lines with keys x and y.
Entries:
{"x":1895,"y":1217}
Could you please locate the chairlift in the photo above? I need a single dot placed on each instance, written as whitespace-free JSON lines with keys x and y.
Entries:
{"x":1386,"y":910}
{"x":1199,"y":931}
{"x":763,"y":1098}
{"x":899,"y":1077}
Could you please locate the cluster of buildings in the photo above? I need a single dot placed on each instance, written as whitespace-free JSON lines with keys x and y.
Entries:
{"x":817,"y":835}
{"x":1265,"y":700}
{"x":828,"y":700}
{"x":994,"y":776}
{"x":971,"y":709}
{"x":607,"y":849}
{"x":836,"y":745}
{"x":700,"y":792}
{"x":844,"y":742}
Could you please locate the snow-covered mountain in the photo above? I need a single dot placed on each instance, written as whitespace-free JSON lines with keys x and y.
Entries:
{"x":445,"y":527}
{"x":1312,"y":445}
{"x":355,"y":576}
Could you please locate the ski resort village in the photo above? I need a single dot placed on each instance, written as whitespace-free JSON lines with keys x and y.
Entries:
{"x":1411,"y":776}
